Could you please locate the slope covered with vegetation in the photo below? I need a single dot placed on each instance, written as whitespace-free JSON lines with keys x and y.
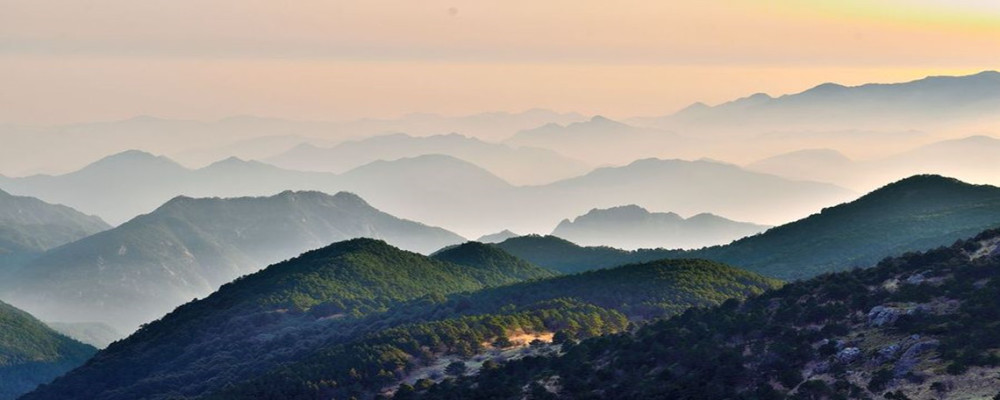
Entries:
{"x":189,"y":247}
{"x":271,"y":317}
{"x":916,"y":213}
{"x":31,"y":353}
{"x":359,"y":318}
{"x":919,"y":326}
{"x":469,"y":326}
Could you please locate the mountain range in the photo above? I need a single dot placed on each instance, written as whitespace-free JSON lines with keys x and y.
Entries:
{"x":633,"y":227}
{"x":934,"y":100}
{"x":966,"y":158}
{"x":915,"y":213}
{"x":189,"y":247}
{"x":341,"y":314}
{"x":518,"y":165}
{"x":29,"y":150}
{"x":441,"y":190}
{"x":29,"y":226}
{"x":917,"y":326}
{"x":31,"y":353}
{"x":328,"y":295}
{"x":605,"y":141}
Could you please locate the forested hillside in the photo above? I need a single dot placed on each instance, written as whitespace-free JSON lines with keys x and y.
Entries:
{"x":32,"y":353}
{"x":271,"y":317}
{"x":918,"y":326}
{"x":360,"y":317}
{"x":913,"y":214}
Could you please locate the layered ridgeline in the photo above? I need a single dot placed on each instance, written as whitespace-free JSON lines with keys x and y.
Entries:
{"x":29,"y":226}
{"x":919,"y":326}
{"x":912,"y":214}
{"x":275,"y":316}
{"x":188,"y":247}
{"x":633,"y":227}
{"x":314,"y":345}
{"x":969,"y":159}
{"x":31,"y":353}
{"x":518,"y":165}
{"x":910,"y":105}
{"x":441,"y":190}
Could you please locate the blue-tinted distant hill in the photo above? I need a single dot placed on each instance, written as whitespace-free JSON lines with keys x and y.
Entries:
{"x":189,"y":247}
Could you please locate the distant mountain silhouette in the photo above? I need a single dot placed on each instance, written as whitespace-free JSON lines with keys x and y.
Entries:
{"x":31,"y":353}
{"x":632,"y":227}
{"x":519,"y":165}
{"x":497,"y":237}
{"x":29,"y":226}
{"x":602,"y":140}
{"x":189,"y":247}
{"x":199,"y":142}
{"x":969,"y":159}
{"x":915,"y":213}
{"x":691,"y":187}
{"x":442,"y":190}
{"x":932,"y":100}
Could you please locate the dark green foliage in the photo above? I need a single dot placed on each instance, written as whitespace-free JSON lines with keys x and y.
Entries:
{"x":351,"y":318}
{"x":457,"y":368}
{"x":31,"y":353}
{"x":736,"y":351}
{"x":576,"y":306}
{"x":566,"y":257}
{"x":916,"y":213}
{"x":491,"y":259}
{"x":267,"y":318}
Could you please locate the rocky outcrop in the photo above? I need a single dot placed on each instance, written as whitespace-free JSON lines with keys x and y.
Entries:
{"x":911,"y":357}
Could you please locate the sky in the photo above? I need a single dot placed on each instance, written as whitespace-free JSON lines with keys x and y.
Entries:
{"x":67,"y":61}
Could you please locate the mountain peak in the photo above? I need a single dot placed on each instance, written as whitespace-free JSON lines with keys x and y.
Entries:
{"x":128,"y":159}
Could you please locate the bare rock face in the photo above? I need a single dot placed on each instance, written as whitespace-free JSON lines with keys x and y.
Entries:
{"x":849,"y":355}
{"x":888,"y":315}
{"x":910,"y":358}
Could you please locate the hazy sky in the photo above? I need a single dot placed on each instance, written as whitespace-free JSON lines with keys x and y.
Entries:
{"x":80,"y":60}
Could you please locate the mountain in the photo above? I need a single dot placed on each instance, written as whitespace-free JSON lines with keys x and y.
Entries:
{"x":915,"y":213}
{"x":632,"y":227}
{"x":499,"y":326}
{"x":29,"y":149}
{"x":497,"y":237}
{"x":519,"y":165}
{"x":918,"y":326}
{"x":918,"y":212}
{"x":32,"y":353}
{"x":933,"y":100}
{"x":188,"y":247}
{"x":690,"y":187}
{"x":602,"y":140}
{"x":488,"y":257}
{"x":365,"y":315}
{"x":564,"y":256}
{"x":138,"y":182}
{"x":29,"y":226}
{"x":437,"y":189}
{"x":965,"y":158}
{"x":268,"y":318}
{"x":441,"y":190}
{"x":823,"y":165}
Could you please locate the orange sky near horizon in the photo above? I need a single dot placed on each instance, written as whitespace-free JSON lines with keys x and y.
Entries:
{"x":67,"y":61}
